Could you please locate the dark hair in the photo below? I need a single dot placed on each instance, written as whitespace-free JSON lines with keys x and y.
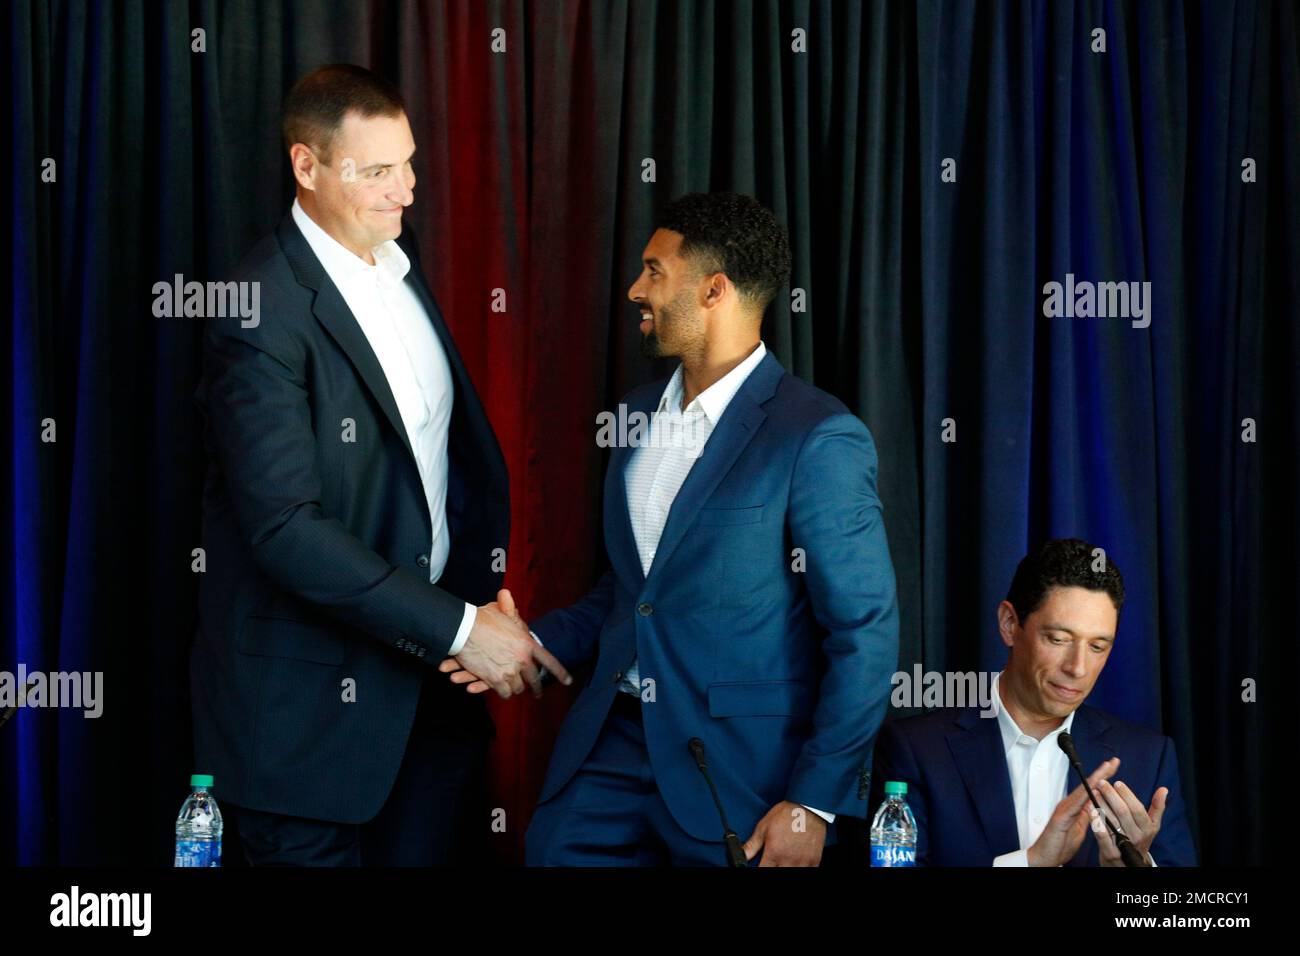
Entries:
{"x":733,"y":234}
{"x":1065,"y":562}
{"x":315,"y":107}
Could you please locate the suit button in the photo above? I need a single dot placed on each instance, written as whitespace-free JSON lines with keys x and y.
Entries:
{"x":644,"y":609}
{"x":422,"y":560}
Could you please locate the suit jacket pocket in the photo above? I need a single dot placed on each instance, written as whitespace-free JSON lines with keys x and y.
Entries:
{"x":297,"y":640}
{"x":729,"y":516}
{"x":760,"y":698}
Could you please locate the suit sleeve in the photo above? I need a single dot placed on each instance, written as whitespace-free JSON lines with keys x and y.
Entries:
{"x":834,"y":515}
{"x":1173,"y":845}
{"x":571,"y":633}
{"x":894,"y":760}
{"x":265,"y":445}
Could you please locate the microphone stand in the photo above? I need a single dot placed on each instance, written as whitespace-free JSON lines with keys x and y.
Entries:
{"x":1127,"y":851}
{"x":735,"y":852}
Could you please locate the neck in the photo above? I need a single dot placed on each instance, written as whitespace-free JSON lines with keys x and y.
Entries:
{"x":714,"y":361}
{"x":308,"y":204}
{"x":1035,"y":725}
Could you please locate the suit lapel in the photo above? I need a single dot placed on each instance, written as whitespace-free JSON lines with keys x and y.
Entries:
{"x":333,"y":313}
{"x":623,"y":552}
{"x":730,"y":437}
{"x":976,"y":747}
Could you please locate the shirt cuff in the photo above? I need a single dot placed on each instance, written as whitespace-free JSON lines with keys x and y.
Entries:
{"x":466,"y":625}
{"x":828,"y":817}
{"x":1015,"y":858}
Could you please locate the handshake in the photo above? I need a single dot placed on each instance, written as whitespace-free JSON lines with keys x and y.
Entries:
{"x":501,"y":654}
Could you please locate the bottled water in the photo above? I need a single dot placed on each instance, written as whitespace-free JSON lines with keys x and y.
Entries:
{"x":893,"y":831}
{"x":198,"y":827}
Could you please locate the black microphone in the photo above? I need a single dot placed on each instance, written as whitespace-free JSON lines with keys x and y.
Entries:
{"x":1127,"y":851}
{"x":735,"y":852}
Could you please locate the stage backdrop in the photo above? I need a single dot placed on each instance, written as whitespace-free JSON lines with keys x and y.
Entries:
{"x":936,"y":163}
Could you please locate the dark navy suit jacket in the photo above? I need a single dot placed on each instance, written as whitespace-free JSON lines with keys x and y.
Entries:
{"x":318,"y":550}
{"x":783,"y":672}
{"x":959,"y":788}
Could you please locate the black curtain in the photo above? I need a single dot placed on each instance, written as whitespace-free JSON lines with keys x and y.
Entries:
{"x":936,"y":163}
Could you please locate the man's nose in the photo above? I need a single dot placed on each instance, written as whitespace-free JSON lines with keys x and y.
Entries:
{"x":634,"y":292}
{"x":405,"y":193}
{"x":1076,"y":661}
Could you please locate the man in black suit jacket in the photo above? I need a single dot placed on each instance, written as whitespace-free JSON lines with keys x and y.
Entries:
{"x":351,"y":466}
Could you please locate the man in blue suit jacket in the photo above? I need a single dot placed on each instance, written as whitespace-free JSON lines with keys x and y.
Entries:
{"x":988,"y":790}
{"x":750,"y":603}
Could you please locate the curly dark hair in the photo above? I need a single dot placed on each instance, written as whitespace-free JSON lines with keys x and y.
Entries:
{"x":1065,"y":562}
{"x":733,"y":234}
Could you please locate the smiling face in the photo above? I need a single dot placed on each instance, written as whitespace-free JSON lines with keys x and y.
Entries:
{"x":672,"y":323}
{"x":1057,"y":654}
{"x":359,"y":196}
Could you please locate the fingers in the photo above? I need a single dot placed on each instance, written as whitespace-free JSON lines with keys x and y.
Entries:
{"x":532,"y":677}
{"x":1077,"y":799}
{"x":506,"y":601}
{"x":548,"y":660}
{"x":1157,"y":811}
{"x":1108,"y":850}
{"x":1137,"y":812}
{"x":1104,"y":772}
{"x":463,"y":677}
{"x":1120,"y":811}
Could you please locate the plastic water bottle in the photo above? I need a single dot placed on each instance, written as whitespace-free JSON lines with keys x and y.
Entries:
{"x":893,"y":831}
{"x":198,"y":827}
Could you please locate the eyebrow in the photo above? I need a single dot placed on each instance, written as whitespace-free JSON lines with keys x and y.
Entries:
{"x":382,"y":165}
{"x":653,"y":262}
{"x":1062,"y":627}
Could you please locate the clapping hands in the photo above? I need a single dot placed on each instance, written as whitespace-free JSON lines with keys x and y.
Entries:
{"x":501,"y":655}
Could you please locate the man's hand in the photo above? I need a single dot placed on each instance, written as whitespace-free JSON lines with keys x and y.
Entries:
{"x":1138,"y":824}
{"x":505,"y":657}
{"x":784,"y":844}
{"x":1064,"y":833}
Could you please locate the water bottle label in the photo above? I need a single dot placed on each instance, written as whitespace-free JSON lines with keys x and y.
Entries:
{"x":882,"y":855}
{"x":198,"y":853}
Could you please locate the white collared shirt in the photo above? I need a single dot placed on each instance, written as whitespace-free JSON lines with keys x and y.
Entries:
{"x":403,"y":339}
{"x":1039,"y":772}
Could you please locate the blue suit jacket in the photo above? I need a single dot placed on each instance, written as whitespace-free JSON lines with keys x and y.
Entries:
{"x":959,"y":788}
{"x":783,"y":673}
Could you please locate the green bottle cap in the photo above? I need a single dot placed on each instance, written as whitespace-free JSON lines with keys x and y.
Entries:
{"x":895,"y":787}
{"x":201,"y":780}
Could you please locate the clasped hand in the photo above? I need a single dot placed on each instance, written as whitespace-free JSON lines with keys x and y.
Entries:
{"x":501,"y":655}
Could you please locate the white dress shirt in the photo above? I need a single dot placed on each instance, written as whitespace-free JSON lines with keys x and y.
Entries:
{"x":403,"y":339}
{"x":1039,"y":774}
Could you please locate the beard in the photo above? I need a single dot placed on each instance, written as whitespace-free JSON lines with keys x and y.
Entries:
{"x":651,"y":347}
{"x":675,"y":320}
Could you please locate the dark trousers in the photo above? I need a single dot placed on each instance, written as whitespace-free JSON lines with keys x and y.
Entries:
{"x":611,"y":813}
{"x":436,"y":814}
